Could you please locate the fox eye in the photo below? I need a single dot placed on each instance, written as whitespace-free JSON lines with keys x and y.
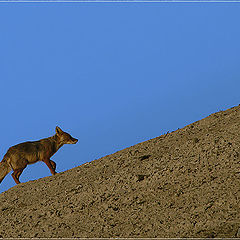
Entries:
{"x":67,"y":136}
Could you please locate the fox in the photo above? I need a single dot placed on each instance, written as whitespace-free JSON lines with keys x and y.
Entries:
{"x":19,"y":156}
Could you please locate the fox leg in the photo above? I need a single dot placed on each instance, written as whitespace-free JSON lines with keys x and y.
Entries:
{"x":53,"y":164}
{"x":16,"y":174}
{"x":51,"y":168}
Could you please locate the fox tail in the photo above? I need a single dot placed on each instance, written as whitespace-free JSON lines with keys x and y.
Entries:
{"x":4,"y":170}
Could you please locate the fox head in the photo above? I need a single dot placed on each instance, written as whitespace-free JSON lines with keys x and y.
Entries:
{"x":65,"y":138}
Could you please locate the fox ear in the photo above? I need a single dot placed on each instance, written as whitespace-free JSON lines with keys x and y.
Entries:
{"x":59,"y":130}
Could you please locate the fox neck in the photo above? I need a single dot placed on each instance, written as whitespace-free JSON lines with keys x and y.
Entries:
{"x":57,"y":142}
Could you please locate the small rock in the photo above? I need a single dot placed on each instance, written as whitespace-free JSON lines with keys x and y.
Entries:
{"x":140,"y":178}
{"x":144,"y":157}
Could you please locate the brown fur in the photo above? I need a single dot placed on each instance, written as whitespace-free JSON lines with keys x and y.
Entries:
{"x":20,"y":155}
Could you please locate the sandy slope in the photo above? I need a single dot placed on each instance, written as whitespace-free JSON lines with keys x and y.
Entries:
{"x":183,"y":184}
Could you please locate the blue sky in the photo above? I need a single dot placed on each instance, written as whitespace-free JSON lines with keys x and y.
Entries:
{"x":112,"y":74}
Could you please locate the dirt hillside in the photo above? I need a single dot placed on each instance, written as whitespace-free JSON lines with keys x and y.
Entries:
{"x":182,"y":184}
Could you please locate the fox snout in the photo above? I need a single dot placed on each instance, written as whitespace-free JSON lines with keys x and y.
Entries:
{"x":74,"y":140}
{"x":71,"y":140}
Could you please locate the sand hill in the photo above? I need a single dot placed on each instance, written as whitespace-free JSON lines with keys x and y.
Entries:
{"x":182,"y":184}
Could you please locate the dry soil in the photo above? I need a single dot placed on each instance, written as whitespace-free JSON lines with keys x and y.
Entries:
{"x":181,"y":184}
